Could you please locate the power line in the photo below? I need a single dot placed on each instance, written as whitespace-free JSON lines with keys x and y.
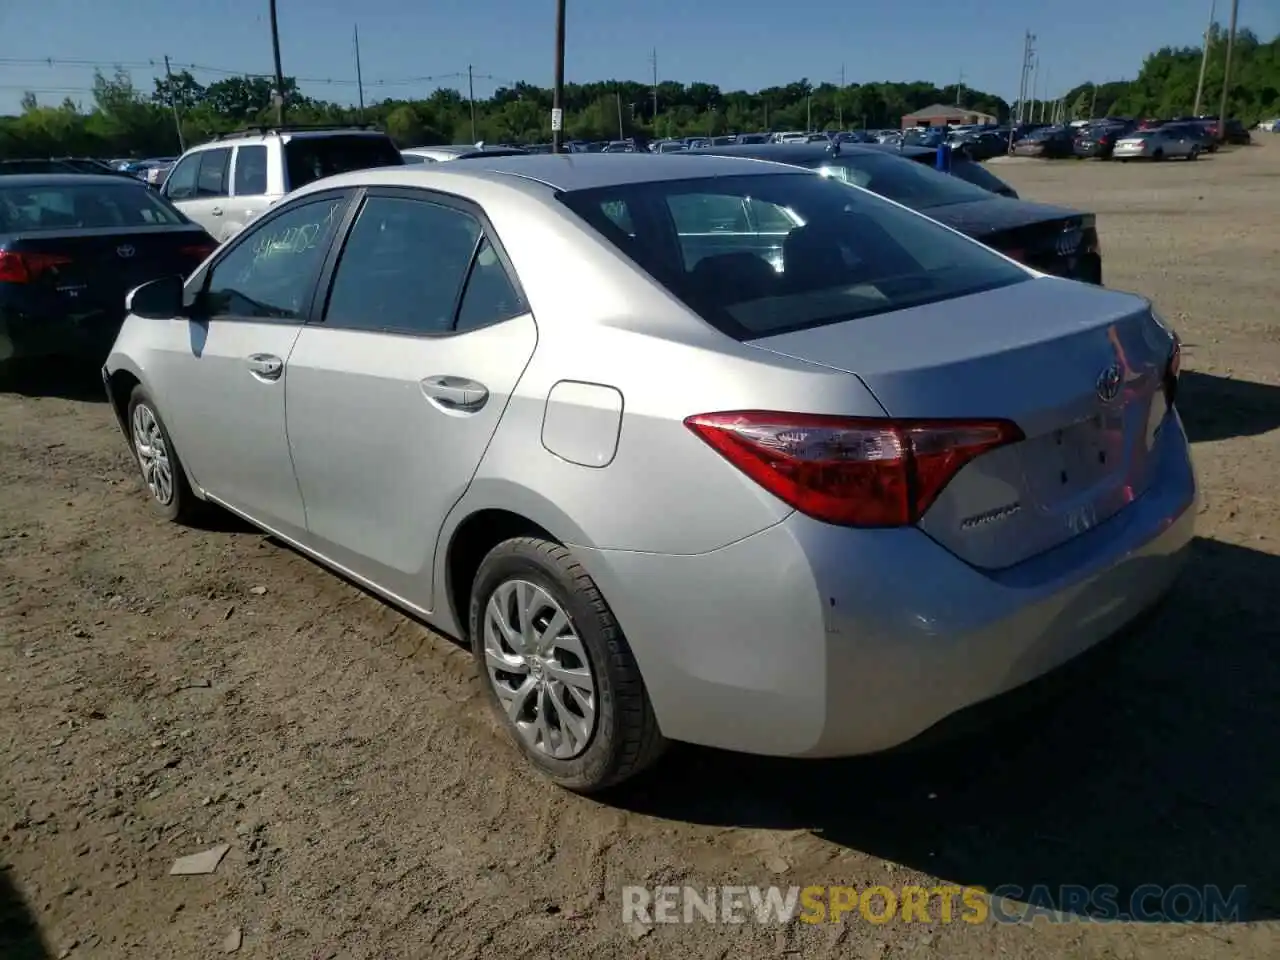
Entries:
{"x":158,"y":66}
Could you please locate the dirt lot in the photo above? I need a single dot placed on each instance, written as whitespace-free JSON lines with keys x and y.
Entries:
{"x":155,"y":701}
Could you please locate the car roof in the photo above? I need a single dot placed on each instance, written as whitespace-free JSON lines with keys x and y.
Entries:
{"x":586,"y":171}
{"x":799,"y":154}
{"x":261,"y":136}
{"x":68,"y":180}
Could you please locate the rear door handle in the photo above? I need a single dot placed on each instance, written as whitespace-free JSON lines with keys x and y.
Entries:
{"x":216,"y":211}
{"x":455,"y":393}
{"x":265,"y":366}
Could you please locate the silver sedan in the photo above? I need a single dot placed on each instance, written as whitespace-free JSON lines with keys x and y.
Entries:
{"x":1157,"y":144}
{"x":688,"y":448}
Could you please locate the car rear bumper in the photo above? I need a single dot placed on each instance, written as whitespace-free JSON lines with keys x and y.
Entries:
{"x":808,"y":639}
{"x":27,"y":335}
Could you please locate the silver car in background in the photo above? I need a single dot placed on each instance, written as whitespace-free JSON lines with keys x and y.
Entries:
{"x":1157,"y":144}
{"x":688,"y":448}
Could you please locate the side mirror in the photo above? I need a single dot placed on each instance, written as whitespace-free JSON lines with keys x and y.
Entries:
{"x":156,"y":300}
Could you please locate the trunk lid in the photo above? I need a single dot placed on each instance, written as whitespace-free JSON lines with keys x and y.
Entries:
{"x":1047,"y":238}
{"x":1044,"y":354}
{"x":92,"y":269}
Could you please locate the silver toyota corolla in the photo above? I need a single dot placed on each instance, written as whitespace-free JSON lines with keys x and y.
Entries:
{"x":690,"y":448}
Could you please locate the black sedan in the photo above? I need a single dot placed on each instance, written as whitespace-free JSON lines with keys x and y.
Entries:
{"x":71,"y":247}
{"x":1099,"y":139}
{"x":1055,"y":240}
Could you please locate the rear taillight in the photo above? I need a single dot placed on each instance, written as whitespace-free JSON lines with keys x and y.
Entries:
{"x":1171,"y":371}
{"x":1016,"y":253}
{"x":198,"y":251}
{"x":852,"y":472}
{"x":25,"y":267}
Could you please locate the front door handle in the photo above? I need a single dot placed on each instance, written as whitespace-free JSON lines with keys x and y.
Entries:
{"x":216,"y":211}
{"x":455,"y":393}
{"x":264,"y":366}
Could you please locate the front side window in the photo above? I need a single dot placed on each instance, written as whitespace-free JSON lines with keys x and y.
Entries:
{"x":404,"y":267}
{"x":212,"y":179}
{"x":270,"y":273}
{"x":181,"y":184}
{"x":251,"y":171}
{"x":848,"y":254}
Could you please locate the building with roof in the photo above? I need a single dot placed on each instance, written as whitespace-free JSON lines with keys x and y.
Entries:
{"x":942,"y":115}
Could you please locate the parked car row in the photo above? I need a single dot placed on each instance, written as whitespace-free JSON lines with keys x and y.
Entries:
{"x":1126,"y":139}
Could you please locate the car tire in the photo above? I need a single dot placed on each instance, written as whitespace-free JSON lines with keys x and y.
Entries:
{"x":1158,"y":155}
{"x":537,"y":581}
{"x":163,"y":475}
{"x":1194,"y":154}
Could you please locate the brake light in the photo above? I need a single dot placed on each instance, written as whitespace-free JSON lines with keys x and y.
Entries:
{"x":852,"y":472}
{"x":198,"y":251}
{"x":18,"y":267}
{"x":1171,"y":371}
{"x":1016,"y":253}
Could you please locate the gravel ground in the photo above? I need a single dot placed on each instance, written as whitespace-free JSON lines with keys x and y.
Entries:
{"x":164,"y":691}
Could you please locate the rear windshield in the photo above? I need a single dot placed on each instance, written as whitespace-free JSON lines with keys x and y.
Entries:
{"x":311,"y":158}
{"x":761,"y":255}
{"x":910,"y":183}
{"x":82,"y":206}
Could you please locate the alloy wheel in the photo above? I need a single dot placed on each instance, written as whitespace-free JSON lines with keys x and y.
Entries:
{"x":153,"y":454}
{"x":539,"y":670}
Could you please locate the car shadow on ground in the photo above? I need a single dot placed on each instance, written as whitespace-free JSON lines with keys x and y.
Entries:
{"x":1218,"y":408}
{"x":20,"y":937}
{"x":1157,"y":769}
{"x":68,"y":379}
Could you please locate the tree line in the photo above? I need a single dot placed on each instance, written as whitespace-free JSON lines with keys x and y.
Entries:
{"x":122,"y":120}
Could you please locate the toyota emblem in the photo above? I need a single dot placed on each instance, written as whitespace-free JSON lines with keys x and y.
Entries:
{"x":1109,"y":382}
{"x":125,"y":251}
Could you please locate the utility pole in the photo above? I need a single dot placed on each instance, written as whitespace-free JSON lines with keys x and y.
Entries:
{"x":1028,"y":49}
{"x":1204,"y":57}
{"x":653,"y":60}
{"x":618,"y":97}
{"x":1021,"y":114}
{"x":471,"y":100}
{"x":808,"y":108}
{"x":840,"y":101}
{"x":359,"y":75}
{"x":1093,"y":102}
{"x":1226,"y":72}
{"x":557,"y":91}
{"x":275,"y":50}
{"x":1035,"y":90}
{"x":959,"y":88}
{"x":173,"y":102}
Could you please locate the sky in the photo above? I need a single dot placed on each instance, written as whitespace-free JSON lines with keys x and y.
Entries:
{"x":410,"y":47}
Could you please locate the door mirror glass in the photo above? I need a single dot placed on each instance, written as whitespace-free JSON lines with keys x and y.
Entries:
{"x":156,"y":300}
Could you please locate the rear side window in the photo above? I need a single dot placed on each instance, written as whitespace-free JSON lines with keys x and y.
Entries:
{"x":308,"y":159}
{"x":212,"y":179}
{"x":846,"y":254}
{"x":414,"y":267}
{"x":251,"y":171}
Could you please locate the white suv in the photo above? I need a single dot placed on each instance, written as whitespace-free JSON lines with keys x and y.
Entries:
{"x":225,"y":183}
